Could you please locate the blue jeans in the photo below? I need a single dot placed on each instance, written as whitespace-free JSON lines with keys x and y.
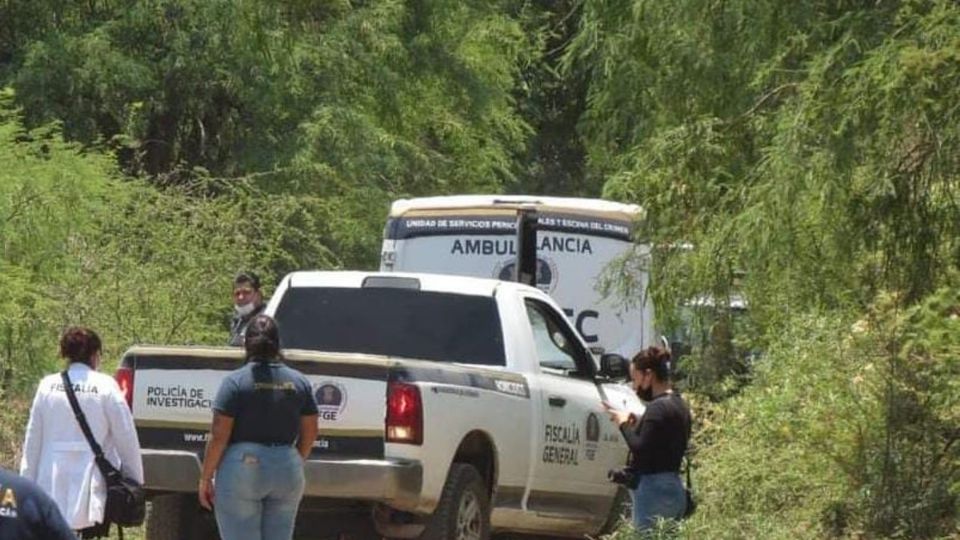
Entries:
{"x":258,"y":491}
{"x":658,"y":496}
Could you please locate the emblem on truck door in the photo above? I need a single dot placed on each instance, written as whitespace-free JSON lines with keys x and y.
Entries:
{"x":331,"y":400}
{"x":593,"y":436}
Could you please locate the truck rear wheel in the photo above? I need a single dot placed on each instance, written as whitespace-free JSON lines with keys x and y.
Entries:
{"x":464,"y":509}
{"x":178,"y":517}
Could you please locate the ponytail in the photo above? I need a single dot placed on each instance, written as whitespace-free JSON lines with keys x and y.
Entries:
{"x":262,"y":339}
{"x":656,"y":359}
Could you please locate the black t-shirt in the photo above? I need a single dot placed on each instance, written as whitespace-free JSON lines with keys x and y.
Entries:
{"x":238,"y":326}
{"x":27,"y":513}
{"x":266,"y":401}
{"x":659,"y":439}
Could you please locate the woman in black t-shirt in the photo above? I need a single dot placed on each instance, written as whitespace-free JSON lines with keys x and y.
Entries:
{"x":264,"y":425}
{"x":657,"y":440}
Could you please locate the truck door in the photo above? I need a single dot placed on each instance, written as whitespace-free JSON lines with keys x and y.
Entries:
{"x":570,"y":468}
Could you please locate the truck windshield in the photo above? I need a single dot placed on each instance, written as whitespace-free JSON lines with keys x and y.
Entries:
{"x":405,"y":323}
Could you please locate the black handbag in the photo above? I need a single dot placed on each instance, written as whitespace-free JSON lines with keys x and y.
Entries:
{"x":126,"y":504}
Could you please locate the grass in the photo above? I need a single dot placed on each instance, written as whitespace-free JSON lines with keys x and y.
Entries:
{"x":13,"y":421}
{"x":129,"y":534}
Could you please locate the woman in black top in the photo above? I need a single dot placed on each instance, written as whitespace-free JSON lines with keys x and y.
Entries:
{"x":657,"y":440}
{"x":264,"y":425}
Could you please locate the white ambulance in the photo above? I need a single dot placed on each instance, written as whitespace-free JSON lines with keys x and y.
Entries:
{"x":577,"y":240}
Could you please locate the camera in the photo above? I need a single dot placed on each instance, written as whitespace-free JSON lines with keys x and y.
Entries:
{"x":625,"y":477}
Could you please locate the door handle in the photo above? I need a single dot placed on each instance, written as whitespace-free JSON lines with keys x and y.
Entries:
{"x":556,"y":401}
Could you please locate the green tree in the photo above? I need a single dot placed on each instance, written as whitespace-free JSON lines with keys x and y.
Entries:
{"x":804,"y":144}
{"x":80,"y":244}
{"x":356,"y":103}
{"x":804,"y":155}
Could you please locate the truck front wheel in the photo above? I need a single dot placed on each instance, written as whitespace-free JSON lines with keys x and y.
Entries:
{"x":464,"y":509}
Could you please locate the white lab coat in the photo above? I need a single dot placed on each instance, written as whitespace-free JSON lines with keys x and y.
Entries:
{"x":57,"y":456}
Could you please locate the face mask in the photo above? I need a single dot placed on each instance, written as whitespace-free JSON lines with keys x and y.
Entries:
{"x":244,"y":310}
{"x":646,"y":394}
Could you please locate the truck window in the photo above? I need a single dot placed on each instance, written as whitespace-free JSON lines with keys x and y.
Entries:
{"x":406,"y":323}
{"x":557,"y":349}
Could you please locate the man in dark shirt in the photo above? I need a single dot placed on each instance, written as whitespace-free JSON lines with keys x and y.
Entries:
{"x":657,"y":440}
{"x":247,"y":304}
{"x":27,"y":513}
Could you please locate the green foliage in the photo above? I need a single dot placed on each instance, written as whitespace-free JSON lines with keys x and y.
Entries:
{"x":662,"y":530}
{"x":552,"y":101}
{"x":140,"y":265}
{"x":416,"y":100}
{"x":810,"y":145}
{"x":848,"y":429}
{"x":49,"y":191}
{"x":768,"y":461}
{"x":175,"y":84}
{"x":356,"y":103}
{"x":802,"y":155}
{"x":717,"y":364}
{"x":806,"y":154}
{"x":907,"y":466}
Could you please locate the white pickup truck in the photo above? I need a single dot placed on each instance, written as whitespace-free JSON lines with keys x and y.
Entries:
{"x":450,"y":407}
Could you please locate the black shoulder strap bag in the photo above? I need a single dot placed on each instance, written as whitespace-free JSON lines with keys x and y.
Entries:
{"x":126,"y":505}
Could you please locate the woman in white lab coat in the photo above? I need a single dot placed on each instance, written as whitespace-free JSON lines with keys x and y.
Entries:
{"x":58,"y":457}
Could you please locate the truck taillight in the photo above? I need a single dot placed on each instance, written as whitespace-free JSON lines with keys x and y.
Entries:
{"x":124,"y":377}
{"x":404,"y":414}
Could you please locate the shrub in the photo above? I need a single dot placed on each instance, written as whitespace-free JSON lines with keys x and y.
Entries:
{"x":79,"y":244}
{"x":849,"y":429}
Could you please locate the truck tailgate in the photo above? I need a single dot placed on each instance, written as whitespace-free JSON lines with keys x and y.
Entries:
{"x":174,"y":389}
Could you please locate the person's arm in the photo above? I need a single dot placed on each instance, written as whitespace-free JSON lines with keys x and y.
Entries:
{"x":33,"y":439}
{"x":308,"y":419}
{"x":308,"y":434}
{"x":640,"y":437}
{"x":644,"y":434}
{"x":219,"y":438}
{"x":124,"y":434}
{"x":53,"y":526}
{"x":226,"y":405}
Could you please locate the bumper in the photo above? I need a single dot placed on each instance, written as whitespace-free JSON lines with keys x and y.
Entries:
{"x":394,"y":482}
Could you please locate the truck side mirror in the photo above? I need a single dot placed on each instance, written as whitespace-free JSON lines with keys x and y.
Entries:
{"x":614,"y":366}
